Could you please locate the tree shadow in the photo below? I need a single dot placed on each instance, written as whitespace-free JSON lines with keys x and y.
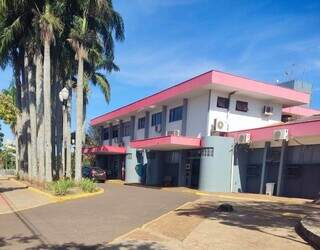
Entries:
{"x":22,"y":241}
{"x":264,"y":217}
{"x":9,"y":189}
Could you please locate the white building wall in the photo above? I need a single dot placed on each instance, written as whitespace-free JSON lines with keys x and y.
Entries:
{"x":197,"y":115}
{"x":238,"y":120}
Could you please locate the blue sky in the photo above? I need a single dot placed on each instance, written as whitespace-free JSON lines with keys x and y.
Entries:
{"x":168,"y":41}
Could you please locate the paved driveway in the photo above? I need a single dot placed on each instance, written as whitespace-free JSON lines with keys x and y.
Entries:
{"x":89,"y":222}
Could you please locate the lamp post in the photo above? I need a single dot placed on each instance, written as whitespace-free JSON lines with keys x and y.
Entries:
{"x":64,"y":96}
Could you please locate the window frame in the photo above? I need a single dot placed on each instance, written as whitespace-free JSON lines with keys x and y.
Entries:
{"x":175,"y":114}
{"x":223,"y":99}
{"x":115,"y":131}
{"x":142,"y":122}
{"x":246,"y":104}
{"x":105,"y":134}
{"x":154,"y":120}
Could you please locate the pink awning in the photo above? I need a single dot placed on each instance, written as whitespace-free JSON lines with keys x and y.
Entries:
{"x":105,"y":149}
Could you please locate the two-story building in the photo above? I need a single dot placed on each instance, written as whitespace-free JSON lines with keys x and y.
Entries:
{"x":186,"y":135}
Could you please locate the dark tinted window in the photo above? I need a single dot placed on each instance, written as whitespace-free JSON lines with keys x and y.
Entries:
{"x":223,"y":102}
{"x":175,"y":114}
{"x":115,"y":131}
{"x":126,"y":129}
{"x":141,"y":122}
{"x":242,"y":106}
{"x":105,"y":133}
{"x":156,"y":119}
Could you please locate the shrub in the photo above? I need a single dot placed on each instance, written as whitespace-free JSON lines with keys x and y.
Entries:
{"x":62,"y":186}
{"x":88,"y":185}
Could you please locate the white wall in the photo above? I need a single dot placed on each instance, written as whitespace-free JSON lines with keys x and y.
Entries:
{"x":238,"y":120}
{"x":197,"y":115}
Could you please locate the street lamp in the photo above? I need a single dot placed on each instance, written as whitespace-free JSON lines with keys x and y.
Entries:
{"x":64,"y":96}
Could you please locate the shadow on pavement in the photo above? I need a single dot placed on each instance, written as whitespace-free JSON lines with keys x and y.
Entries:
{"x":9,"y":189}
{"x":133,"y":245}
{"x":260,"y":216}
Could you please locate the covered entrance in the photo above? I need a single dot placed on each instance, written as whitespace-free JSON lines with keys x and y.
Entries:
{"x":109,"y":158}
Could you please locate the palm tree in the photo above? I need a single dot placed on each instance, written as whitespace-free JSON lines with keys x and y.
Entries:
{"x":49,"y":23}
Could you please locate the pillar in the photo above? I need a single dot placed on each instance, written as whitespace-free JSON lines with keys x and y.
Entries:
{"x":132,"y":173}
{"x":263,"y":170}
{"x":132,"y":127}
{"x":184,"y":117}
{"x":281,"y":167}
{"x":147,"y":125}
{"x":164,"y":121}
{"x":110,"y":134}
{"x":120,"y":132}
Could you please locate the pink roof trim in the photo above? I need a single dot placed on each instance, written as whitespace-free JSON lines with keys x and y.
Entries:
{"x":104,"y":149}
{"x":242,"y":83}
{"x":300,"y":111}
{"x":210,"y":77}
{"x":297,"y":129}
{"x":166,"y":140}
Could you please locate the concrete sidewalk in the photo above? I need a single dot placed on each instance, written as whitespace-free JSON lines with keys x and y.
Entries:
{"x":15,"y":196}
{"x":258,"y":222}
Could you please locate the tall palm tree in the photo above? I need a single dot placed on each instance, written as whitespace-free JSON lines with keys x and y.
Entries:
{"x":49,"y":23}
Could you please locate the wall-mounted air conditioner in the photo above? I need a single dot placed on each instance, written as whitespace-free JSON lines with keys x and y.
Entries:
{"x":268,"y":110}
{"x":244,"y":138}
{"x":219,"y":126}
{"x":157,"y":128}
{"x":175,"y":132}
{"x":280,"y":134}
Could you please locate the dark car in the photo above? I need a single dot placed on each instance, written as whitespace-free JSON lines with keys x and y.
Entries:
{"x":94,"y":173}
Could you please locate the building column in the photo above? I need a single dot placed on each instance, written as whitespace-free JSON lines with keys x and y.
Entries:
{"x":184,"y":117}
{"x":132,"y":127}
{"x":110,"y":134}
{"x":264,"y":162}
{"x":147,"y":125}
{"x":164,"y":121}
{"x":281,"y":167}
{"x":120,"y":132}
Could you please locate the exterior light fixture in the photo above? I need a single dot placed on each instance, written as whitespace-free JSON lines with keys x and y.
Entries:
{"x":64,"y":94}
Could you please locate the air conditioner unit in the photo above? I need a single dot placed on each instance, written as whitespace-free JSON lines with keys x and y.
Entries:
{"x":157,"y":128}
{"x":280,"y":134}
{"x":219,"y":126}
{"x":268,"y":110}
{"x":244,"y":138}
{"x":175,"y":132}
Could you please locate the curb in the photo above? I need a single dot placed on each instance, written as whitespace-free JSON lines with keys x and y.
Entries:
{"x":67,"y":197}
{"x":55,"y":198}
{"x":309,"y":236}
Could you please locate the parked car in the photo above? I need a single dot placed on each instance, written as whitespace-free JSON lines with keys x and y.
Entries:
{"x":94,"y":173}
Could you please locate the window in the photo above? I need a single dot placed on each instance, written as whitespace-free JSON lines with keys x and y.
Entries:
{"x":242,"y":106}
{"x":223,"y":102}
{"x":141,"y":122}
{"x":115,"y":131}
{"x":126,"y":129}
{"x":156,"y":119}
{"x":175,"y":114}
{"x":105,"y":133}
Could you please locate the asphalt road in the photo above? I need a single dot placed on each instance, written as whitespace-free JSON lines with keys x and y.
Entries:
{"x":88,"y":223}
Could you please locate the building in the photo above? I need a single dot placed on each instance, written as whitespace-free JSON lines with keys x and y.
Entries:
{"x":188,"y":134}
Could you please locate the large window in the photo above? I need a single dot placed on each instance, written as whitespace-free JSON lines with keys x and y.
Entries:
{"x":105,"y":133}
{"x":156,"y":119}
{"x":141,"y":122}
{"x":126,"y":129}
{"x":242,"y":106}
{"x":115,"y":131}
{"x":175,"y":114}
{"x":223,"y":102}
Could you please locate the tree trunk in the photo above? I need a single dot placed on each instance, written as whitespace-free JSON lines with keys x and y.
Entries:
{"x":47,"y":110}
{"x":33,"y":120}
{"x":68,"y":134}
{"x":40,"y":127}
{"x":79,"y":121}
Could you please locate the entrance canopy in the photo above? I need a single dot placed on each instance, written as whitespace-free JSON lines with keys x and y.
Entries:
{"x":105,"y":149}
{"x":166,"y":143}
